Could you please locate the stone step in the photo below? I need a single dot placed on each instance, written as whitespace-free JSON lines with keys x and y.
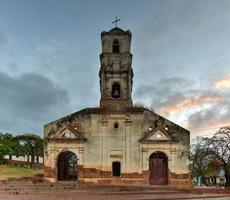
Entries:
{"x":92,"y":192}
{"x":37,"y":189}
{"x":80,"y":187}
{"x":27,"y":187}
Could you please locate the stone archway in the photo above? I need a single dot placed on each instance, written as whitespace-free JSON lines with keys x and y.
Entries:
{"x":158,"y":169}
{"x":67,"y":166}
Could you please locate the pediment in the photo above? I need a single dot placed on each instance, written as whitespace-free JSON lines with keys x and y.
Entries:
{"x":65,"y":133}
{"x":69,"y":133}
{"x":159,"y":135}
{"x":156,"y":135}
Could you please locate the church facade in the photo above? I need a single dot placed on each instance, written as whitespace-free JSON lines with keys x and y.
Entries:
{"x":117,"y":143}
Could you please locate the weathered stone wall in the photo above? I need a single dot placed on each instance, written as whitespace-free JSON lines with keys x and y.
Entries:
{"x":106,"y":144}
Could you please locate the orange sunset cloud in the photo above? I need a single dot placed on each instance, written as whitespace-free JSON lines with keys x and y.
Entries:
{"x":189,"y":103}
{"x":223,"y":83}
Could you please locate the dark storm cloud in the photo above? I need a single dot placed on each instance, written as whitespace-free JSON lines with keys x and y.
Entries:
{"x":30,"y":96}
{"x":165,"y":91}
{"x":172,"y":90}
{"x":215,"y":115}
{"x":197,"y":119}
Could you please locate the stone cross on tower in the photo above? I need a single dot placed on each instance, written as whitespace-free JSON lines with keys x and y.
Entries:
{"x":116,"y":20}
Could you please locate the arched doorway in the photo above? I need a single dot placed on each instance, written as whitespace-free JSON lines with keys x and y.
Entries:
{"x":67,"y":166}
{"x":158,"y":169}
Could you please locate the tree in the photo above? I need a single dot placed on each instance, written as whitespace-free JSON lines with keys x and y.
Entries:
{"x":213,"y":168}
{"x":8,"y":145}
{"x":32,"y":145}
{"x":4,"y":149}
{"x":4,"y":145}
{"x":219,"y":148}
{"x":199,"y":158}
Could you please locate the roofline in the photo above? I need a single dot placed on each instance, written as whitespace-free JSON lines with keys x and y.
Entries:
{"x":127,"y":32}
{"x":99,"y":110}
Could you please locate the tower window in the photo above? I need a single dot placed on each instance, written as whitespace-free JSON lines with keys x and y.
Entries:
{"x":116,"y":46}
{"x":116,"y":90}
{"x":116,"y":125}
{"x":116,"y":169}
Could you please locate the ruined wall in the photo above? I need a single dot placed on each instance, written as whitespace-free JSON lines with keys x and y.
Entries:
{"x":106,"y":144}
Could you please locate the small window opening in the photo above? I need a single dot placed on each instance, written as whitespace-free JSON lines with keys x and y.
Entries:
{"x":116,"y":46}
{"x":116,"y":90}
{"x":116,"y":169}
{"x":116,"y":124}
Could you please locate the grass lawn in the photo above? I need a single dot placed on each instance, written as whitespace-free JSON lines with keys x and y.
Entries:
{"x":11,"y":171}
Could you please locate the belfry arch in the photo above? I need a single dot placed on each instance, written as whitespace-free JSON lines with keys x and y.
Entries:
{"x":67,"y":166}
{"x":116,"y":90}
{"x":116,"y":46}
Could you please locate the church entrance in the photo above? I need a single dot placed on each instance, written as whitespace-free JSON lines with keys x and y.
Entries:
{"x":67,"y":166}
{"x":158,"y":169}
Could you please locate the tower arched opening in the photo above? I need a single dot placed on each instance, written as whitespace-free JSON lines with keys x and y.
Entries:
{"x":116,"y":46}
{"x":116,"y":90}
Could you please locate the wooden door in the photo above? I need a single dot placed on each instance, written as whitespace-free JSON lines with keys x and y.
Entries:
{"x":158,"y":169}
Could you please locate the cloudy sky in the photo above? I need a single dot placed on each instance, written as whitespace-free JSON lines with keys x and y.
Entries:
{"x":49,"y":59}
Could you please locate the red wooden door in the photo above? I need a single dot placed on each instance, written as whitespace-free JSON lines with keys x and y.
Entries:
{"x":158,"y":169}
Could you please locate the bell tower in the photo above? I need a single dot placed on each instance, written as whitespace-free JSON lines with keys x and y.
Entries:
{"x":116,"y":73}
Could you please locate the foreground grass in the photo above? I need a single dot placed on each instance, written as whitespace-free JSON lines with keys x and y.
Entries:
{"x":11,"y":171}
